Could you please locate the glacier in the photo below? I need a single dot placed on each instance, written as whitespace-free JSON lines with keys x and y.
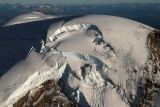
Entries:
{"x":97,"y":61}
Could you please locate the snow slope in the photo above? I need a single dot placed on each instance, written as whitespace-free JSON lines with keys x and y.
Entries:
{"x":29,"y":17}
{"x":93,"y":59}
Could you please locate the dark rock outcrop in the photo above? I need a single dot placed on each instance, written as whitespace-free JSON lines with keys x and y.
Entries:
{"x":46,"y":95}
{"x":150,"y":85}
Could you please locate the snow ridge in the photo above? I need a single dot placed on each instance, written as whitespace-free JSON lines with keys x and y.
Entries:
{"x":96,"y":60}
{"x":94,"y":72}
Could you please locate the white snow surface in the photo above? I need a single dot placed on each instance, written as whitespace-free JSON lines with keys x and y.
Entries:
{"x":29,"y":17}
{"x":92,"y":57}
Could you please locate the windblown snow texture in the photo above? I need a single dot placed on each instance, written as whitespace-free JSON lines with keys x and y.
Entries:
{"x":97,"y":61}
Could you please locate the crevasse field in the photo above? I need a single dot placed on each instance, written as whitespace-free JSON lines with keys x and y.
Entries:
{"x":96,"y":60}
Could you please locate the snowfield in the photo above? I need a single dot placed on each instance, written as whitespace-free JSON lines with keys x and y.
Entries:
{"x":29,"y":17}
{"x":97,"y":60}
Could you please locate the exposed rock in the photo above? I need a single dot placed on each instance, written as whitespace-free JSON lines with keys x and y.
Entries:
{"x":151,"y":79}
{"x":46,"y":95}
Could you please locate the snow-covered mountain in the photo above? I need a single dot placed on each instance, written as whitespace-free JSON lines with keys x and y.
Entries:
{"x":94,"y":61}
{"x":29,"y":17}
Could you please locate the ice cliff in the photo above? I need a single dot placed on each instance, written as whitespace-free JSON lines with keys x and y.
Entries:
{"x":96,"y":60}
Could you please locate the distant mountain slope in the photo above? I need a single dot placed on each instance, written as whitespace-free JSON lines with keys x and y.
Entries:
{"x":30,"y":17}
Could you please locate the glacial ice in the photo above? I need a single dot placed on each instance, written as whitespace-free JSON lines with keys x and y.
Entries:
{"x":92,"y":58}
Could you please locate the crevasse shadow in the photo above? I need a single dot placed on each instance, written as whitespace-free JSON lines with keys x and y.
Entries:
{"x":17,"y":40}
{"x":67,"y":90}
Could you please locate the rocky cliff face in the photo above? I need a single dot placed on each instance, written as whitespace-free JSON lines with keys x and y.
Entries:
{"x":151,"y":79}
{"x":47,"y":94}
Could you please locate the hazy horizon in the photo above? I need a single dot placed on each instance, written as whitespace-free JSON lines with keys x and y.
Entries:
{"x":78,"y":1}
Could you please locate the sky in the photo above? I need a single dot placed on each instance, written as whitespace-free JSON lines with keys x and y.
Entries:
{"x":80,"y":1}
